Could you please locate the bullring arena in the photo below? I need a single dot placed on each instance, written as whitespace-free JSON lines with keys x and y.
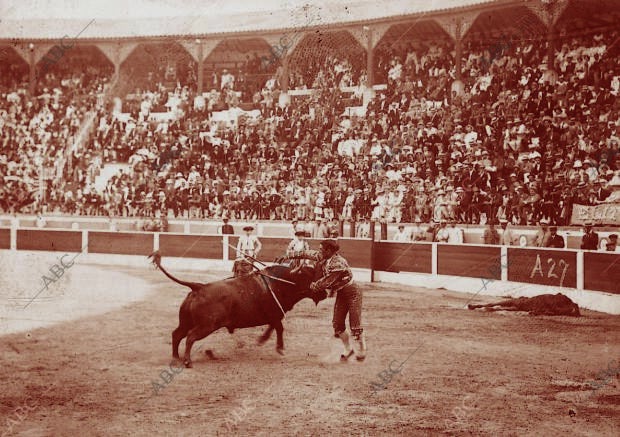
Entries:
{"x":108,"y":365}
{"x":86,"y":318}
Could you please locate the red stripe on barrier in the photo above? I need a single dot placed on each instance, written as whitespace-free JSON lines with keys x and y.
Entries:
{"x":120,"y":243}
{"x":602,"y":272}
{"x":59,"y":241}
{"x":470,"y":261}
{"x":403,"y":257}
{"x":5,"y":238}
{"x":191,"y":246}
{"x":357,"y":252}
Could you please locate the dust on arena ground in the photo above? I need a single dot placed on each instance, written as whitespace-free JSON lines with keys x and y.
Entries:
{"x":468,"y":373}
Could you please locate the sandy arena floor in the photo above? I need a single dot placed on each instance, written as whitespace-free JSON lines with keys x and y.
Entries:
{"x":467,"y":373}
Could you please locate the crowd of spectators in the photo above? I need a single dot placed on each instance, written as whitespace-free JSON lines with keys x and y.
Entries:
{"x":511,"y":147}
{"x":35,"y":131}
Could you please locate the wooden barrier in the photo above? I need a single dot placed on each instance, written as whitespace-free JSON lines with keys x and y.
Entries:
{"x":469,"y":261}
{"x":602,"y":271}
{"x":357,"y":252}
{"x":545,"y":267}
{"x":124,"y":243}
{"x":191,"y":246}
{"x":403,"y":257}
{"x":550,"y":267}
{"x":57,"y":241}
{"x":5,"y":238}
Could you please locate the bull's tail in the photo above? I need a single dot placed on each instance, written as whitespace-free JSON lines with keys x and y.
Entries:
{"x":157,"y":261}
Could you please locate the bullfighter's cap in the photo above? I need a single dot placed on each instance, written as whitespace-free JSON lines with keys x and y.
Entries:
{"x":248,"y":228}
{"x":330,"y":244}
{"x":613,"y":237}
{"x":300,"y":233}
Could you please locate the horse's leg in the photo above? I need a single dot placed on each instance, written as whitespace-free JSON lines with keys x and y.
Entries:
{"x":504,"y":303}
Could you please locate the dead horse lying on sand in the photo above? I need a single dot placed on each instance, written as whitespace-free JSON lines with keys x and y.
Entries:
{"x":543,"y":305}
{"x":241,"y":302}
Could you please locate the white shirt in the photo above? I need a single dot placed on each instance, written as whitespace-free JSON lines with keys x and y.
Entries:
{"x":248,"y":245}
{"x":297,"y":245}
{"x":443,"y":235}
{"x":455,"y":235}
{"x":401,"y":236}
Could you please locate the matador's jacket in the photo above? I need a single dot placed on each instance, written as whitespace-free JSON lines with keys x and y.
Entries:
{"x":336,"y":271}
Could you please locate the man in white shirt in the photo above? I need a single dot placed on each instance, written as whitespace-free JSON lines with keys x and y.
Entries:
{"x":505,"y":238}
{"x":455,"y":234}
{"x":417,"y":233}
{"x":227,"y":80}
{"x":401,"y":235}
{"x":297,"y":244}
{"x":248,"y":245}
{"x":612,"y":246}
{"x":443,"y":234}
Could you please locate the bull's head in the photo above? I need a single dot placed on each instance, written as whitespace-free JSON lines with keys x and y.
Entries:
{"x":302,"y":277}
{"x":305,"y":275}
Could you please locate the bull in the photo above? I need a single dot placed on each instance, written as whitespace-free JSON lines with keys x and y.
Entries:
{"x":257,"y":299}
{"x":543,"y":305}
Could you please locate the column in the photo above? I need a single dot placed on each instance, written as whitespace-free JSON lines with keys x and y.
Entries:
{"x":459,"y":51}
{"x":457,"y":86}
{"x":200,"y":66}
{"x":33,"y":72}
{"x":370,"y":59}
{"x":284,"y":99}
{"x":550,"y":75}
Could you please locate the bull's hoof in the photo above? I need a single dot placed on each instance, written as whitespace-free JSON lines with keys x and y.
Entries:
{"x":280,"y":350}
{"x":360,"y":357}
{"x":188,"y":364}
{"x":209,"y":354}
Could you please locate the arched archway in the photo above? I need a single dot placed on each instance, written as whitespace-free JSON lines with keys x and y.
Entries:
{"x":325,"y":59}
{"x":241,"y":58}
{"x":164,"y":62}
{"x":13,"y":69}
{"x":83,"y":63}
{"x":403,"y":42}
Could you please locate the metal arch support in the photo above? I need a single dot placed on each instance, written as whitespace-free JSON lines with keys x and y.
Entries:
{"x":39,"y":51}
{"x":457,"y":26}
{"x":116,"y":52}
{"x":199,"y":51}
{"x":361,"y":34}
{"x":548,"y":11}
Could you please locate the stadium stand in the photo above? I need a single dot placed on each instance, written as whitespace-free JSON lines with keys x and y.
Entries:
{"x":513,"y":144}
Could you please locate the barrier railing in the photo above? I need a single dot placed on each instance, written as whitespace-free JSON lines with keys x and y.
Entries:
{"x":563,"y":268}
{"x":473,"y":234}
